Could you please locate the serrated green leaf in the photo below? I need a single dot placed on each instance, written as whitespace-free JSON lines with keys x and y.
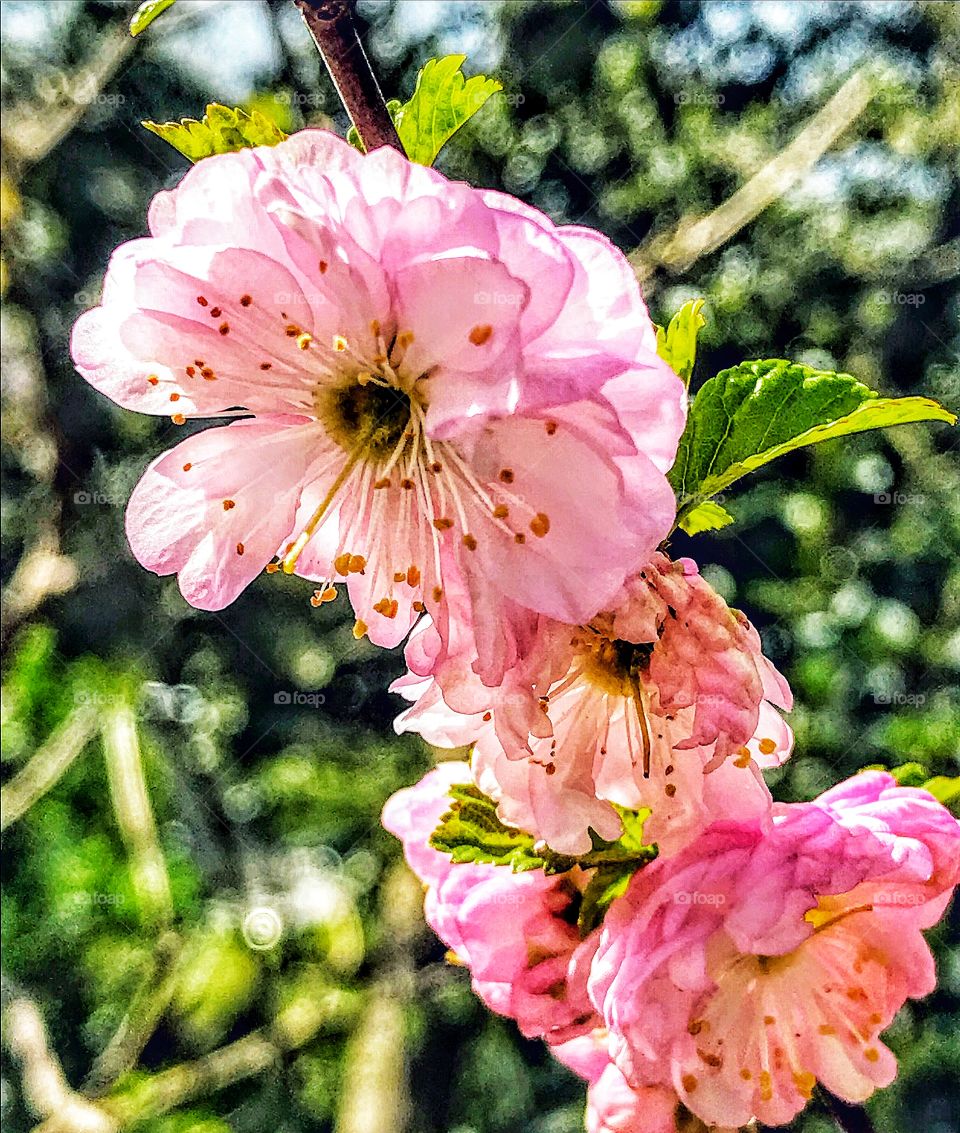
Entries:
{"x":147,"y":13}
{"x":752,"y":413}
{"x":222,"y":130}
{"x":677,"y":345}
{"x":442,"y":101}
{"x":708,"y":516}
{"x":471,"y":832}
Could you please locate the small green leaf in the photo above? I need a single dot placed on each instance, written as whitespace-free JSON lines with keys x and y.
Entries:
{"x":222,"y":131}
{"x":708,"y":516}
{"x":946,"y":789}
{"x":471,"y":832}
{"x":147,"y":13}
{"x":677,"y":345}
{"x":442,"y":101}
{"x":752,"y":413}
{"x":607,"y":884}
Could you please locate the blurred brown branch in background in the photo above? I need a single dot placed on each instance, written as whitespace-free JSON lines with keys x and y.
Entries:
{"x":698,"y":236}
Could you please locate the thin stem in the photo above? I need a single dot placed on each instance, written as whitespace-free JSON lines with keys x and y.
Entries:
{"x":849,"y":1118}
{"x":335,"y":34}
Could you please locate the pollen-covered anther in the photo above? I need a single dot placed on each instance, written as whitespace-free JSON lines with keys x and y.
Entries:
{"x":405,"y":339}
{"x":437,"y":593}
{"x":501,"y":511}
{"x":506,"y":476}
{"x":339,"y":343}
{"x":481,"y":334}
{"x":341,"y":564}
{"x":520,"y":538}
{"x":153,"y":380}
{"x":202,"y":300}
{"x":540,"y":524}
{"x":265,"y":365}
{"x":246,"y":300}
{"x":743,"y":758}
{"x":443,"y":523}
{"x":551,"y":428}
{"x":383,"y":482}
{"x":187,"y":466}
{"x":224,"y":328}
{"x":413,"y":576}
{"x":436,"y":467}
{"x":291,"y":330}
{"x":191,"y":371}
{"x":178,"y":419}
{"x":407,"y":484}
{"x":399,"y":576}
{"x":323,"y":265}
{"x":207,"y":374}
{"x":767,"y":746}
{"x":358,"y":564}
{"x":325,"y":594}
{"x":215,"y":312}
{"x":419,"y":607}
{"x":359,"y":628}
{"x":470,"y":542}
{"x":229,"y":504}
{"x":174,"y":397}
{"x":240,"y":548}
{"x":272,"y":568}
{"x":304,"y":340}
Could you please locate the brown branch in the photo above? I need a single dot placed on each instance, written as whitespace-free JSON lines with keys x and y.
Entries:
{"x":335,"y":34}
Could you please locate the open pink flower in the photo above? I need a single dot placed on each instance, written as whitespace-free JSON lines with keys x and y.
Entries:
{"x":665,"y":702}
{"x":761,"y":960}
{"x":512,"y":930}
{"x":434,"y":380}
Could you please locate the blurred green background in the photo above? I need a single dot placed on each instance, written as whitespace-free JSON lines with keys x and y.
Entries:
{"x":203,"y":910}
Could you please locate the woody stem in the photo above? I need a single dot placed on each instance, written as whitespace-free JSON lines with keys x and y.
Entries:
{"x":331,"y":24}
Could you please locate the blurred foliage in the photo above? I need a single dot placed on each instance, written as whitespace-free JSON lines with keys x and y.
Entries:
{"x":264,"y":731}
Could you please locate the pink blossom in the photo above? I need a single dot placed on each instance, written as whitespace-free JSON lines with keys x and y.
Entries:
{"x":613,"y":1105}
{"x":763,"y":959}
{"x":513,"y":931}
{"x":437,"y":386}
{"x":665,"y":702}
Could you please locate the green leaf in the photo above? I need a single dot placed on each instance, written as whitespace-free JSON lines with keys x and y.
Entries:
{"x":607,"y":884}
{"x":442,"y":101}
{"x":946,"y":789}
{"x":471,"y":832}
{"x":677,"y":345}
{"x":752,"y":413}
{"x":147,"y":13}
{"x":708,"y":516}
{"x":222,"y":131}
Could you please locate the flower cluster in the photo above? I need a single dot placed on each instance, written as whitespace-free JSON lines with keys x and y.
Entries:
{"x":731,"y":977}
{"x":457,"y":409}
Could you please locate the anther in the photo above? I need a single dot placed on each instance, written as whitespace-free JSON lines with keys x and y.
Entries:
{"x":443,"y":523}
{"x":245,"y":300}
{"x":240,"y":548}
{"x":470,"y":542}
{"x":178,"y":419}
{"x":501,"y":511}
{"x":215,"y":312}
{"x":153,"y":380}
{"x":506,"y":475}
{"x":228,"y":504}
{"x":540,"y":524}
{"x":202,"y":301}
{"x":481,"y":334}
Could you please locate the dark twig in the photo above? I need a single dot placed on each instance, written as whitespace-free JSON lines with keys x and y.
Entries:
{"x":335,"y":34}
{"x":849,"y":1118}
